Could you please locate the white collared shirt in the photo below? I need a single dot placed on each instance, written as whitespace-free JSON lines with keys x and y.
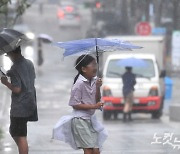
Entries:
{"x":83,"y":92}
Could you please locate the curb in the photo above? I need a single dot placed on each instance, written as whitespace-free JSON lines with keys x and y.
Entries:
{"x":174,"y":113}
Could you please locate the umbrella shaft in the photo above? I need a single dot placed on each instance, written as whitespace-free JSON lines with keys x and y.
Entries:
{"x":97,"y":58}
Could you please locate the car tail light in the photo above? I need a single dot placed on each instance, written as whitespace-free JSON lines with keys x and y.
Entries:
{"x":153,"y":91}
{"x":107,"y":91}
{"x":61,"y":14}
{"x":69,"y":9}
{"x":98,"y":5}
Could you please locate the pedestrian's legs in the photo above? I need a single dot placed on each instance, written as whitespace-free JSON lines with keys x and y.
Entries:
{"x":125,"y":111}
{"x":18,"y":131}
{"x":22,"y":144}
{"x":88,"y":151}
{"x":129,"y":116}
{"x":91,"y":151}
{"x":131,"y":100}
{"x":126,"y":107}
{"x":96,"y":151}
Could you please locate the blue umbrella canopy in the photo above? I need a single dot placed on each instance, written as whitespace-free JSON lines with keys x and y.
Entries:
{"x":132,"y":62}
{"x":93,"y":45}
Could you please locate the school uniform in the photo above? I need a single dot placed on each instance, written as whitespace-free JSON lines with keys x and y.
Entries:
{"x":81,"y":129}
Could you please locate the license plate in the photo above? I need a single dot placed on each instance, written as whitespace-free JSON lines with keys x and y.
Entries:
{"x":136,"y":101}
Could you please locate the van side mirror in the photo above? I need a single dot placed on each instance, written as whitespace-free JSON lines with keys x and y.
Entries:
{"x":162,"y":74}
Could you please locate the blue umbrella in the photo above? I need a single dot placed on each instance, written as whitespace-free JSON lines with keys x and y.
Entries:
{"x":132,"y":62}
{"x":94,"y":45}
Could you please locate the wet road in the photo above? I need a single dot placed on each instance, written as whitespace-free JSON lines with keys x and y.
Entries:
{"x":53,"y":83}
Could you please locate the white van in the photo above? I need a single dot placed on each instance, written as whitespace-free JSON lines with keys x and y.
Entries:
{"x":149,"y":89}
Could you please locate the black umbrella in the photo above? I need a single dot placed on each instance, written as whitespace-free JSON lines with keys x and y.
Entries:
{"x":10,"y":39}
{"x":5,"y":45}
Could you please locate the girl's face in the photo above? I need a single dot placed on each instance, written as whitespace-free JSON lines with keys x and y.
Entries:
{"x":90,"y":70}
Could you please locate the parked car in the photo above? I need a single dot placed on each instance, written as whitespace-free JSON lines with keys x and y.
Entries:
{"x":68,"y":15}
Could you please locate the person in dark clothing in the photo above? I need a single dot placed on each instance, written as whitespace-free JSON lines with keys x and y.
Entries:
{"x":40,"y":59}
{"x":23,"y":97}
{"x":129,"y":80}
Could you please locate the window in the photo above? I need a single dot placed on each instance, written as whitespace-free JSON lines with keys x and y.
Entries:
{"x":114,"y":70}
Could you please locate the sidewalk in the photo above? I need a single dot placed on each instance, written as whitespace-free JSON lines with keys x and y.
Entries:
{"x":174,"y":105}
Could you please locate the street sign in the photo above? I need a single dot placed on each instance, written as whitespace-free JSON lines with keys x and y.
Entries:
{"x":143,"y":28}
{"x":159,"y":31}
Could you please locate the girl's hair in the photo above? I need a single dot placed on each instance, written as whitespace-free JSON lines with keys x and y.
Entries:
{"x":82,"y":61}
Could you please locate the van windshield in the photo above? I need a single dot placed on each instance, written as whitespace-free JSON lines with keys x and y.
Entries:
{"x":115,"y":71}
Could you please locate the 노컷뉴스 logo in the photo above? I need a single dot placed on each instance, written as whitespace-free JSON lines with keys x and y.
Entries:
{"x":167,"y":139}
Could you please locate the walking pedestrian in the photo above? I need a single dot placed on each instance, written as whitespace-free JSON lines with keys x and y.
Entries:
{"x":40,"y":59}
{"x":129,"y":81}
{"x":23,"y":97}
{"x":85,"y":132}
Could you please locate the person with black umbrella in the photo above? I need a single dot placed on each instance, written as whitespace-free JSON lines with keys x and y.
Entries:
{"x":23,"y":97}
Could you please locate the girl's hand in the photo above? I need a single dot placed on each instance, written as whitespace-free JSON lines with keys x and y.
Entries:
{"x":99,"y":105}
{"x":99,"y":82}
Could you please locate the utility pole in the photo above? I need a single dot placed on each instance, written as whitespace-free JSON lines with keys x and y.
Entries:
{"x":176,"y":15}
{"x":147,"y":10}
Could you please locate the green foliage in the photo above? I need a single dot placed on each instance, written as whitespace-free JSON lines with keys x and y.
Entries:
{"x":22,"y":7}
{"x":9,"y":13}
{"x":4,"y":2}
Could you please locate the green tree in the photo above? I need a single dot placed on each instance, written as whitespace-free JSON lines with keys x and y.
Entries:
{"x":10,"y":12}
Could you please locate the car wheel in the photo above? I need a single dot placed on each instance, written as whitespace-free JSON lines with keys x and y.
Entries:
{"x":157,"y":114}
{"x":115,"y":116}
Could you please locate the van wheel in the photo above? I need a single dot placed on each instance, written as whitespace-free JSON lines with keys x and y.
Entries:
{"x":115,"y":116}
{"x":106,"y":115}
{"x":157,"y":114}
